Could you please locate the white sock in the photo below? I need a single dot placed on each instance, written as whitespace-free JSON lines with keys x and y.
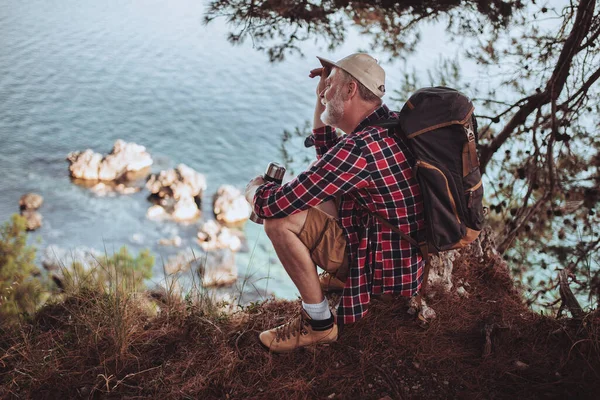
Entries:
{"x":319,"y":311}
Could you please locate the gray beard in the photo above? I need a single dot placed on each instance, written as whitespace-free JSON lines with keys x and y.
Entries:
{"x":334,"y":111}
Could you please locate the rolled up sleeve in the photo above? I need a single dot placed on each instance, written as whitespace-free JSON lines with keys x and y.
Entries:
{"x":341,"y":169}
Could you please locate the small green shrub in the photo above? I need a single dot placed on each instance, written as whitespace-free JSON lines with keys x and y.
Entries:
{"x":20,"y":291}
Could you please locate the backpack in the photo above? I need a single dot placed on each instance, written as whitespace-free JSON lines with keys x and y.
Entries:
{"x":439,"y":127}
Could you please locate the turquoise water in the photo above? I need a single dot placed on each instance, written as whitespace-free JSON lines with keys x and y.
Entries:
{"x":80,"y":74}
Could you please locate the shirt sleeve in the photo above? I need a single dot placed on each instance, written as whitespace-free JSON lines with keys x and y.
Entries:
{"x":340,"y":170}
{"x":324,"y":138}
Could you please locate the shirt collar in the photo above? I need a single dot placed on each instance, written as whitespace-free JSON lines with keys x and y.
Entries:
{"x":381,"y":112}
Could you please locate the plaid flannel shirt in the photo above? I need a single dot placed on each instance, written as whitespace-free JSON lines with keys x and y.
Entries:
{"x":368,"y":168}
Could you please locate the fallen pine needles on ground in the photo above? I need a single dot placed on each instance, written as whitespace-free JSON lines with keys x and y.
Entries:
{"x":489,"y":345}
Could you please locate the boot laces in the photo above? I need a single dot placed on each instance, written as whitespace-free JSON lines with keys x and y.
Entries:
{"x":297,"y":325}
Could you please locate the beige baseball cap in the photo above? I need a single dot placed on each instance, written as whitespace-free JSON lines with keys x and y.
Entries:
{"x":363,"y":68}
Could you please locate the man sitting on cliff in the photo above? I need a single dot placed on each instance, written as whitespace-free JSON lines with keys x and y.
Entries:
{"x":325,"y":216}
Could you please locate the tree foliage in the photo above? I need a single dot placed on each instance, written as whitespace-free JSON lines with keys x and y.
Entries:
{"x":536,"y":101}
{"x":278,"y":26}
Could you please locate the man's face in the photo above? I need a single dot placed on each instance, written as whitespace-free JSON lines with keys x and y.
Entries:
{"x":333,"y":100}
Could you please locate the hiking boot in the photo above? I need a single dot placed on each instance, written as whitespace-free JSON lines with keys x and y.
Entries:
{"x":299,"y":332}
{"x":329,"y":283}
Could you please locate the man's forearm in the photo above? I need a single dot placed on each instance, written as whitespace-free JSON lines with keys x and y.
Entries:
{"x":319,"y":108}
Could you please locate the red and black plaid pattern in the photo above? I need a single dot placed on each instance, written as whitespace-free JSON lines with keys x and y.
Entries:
{"x":372,"y":169}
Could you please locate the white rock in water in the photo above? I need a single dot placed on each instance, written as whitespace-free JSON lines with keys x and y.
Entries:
{"x":185,"y":209}
{"x":230,"y":205}
{"x":195,"y":180}
{"x":211,"y":228}
{"x":214,"y":237}
{"x":229,"y":240}
{"x":180,"y":190}
{"x":156,"y":212}
{"x":124,"y":157}
{"x":30,"y":201}
{"x":174,"y":241}
{"x":34,"y":219}
{"x":178,"y":263}
{"x":177,"y":183}
{"x":217,"y":268}
{"x":84,"y":165}
{"x":137,"y":238}
{"x":160,"y":184}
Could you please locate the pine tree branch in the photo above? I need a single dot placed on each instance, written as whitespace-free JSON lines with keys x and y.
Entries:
{"x":554,"y":86}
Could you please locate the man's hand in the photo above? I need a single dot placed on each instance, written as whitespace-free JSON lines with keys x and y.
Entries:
{"x":322,"y":73}
{"x":251,"y":189}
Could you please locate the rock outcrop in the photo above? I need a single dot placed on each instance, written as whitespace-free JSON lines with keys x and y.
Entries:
{"x":216,"y":268}
{"x":215,"y":263}
{"x":230,"y":206}
{"x":29,"y":203}
{"x":34,"y":219}
{"x":212,"y":236}
{"x":178,"y":191}
{"x":124,"y":158}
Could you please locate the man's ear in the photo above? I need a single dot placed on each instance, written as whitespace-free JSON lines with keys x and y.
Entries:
{"x":352,"y":89}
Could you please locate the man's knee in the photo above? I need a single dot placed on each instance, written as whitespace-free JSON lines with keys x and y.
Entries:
{"x":273,"y":227}
{"x":292,"y":224}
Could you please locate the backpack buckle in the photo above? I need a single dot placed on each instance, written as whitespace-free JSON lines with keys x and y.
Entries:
{"x":469,"y":131}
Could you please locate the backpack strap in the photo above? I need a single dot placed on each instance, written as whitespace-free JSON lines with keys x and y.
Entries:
{"x":394,"y":228}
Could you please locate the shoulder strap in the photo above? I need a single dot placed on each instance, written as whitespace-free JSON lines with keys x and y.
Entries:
{"x":387,"y":123}
{"x":394,"y":228}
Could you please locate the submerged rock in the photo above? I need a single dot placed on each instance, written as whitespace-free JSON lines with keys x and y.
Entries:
{"x":30,"y":201}
{"x":103,"y":189}
{"x":174,"y":241}
{"x":124,"y":157}
{"x":34,"y":219}
{"x":230,"y":206}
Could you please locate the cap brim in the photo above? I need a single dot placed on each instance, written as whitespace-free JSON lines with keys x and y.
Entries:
{"x":326,"y":63}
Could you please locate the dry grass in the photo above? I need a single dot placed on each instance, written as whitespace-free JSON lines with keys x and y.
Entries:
{"x":94,"y":345}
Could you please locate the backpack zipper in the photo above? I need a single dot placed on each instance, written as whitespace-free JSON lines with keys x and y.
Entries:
{"x":424,"y":164}
{"x":470,"y":192}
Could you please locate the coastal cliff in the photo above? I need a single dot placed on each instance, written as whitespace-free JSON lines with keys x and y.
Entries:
{"x":484,"y":343}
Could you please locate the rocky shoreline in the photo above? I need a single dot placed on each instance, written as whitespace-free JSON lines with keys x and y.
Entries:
{"x":174,"y":195}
